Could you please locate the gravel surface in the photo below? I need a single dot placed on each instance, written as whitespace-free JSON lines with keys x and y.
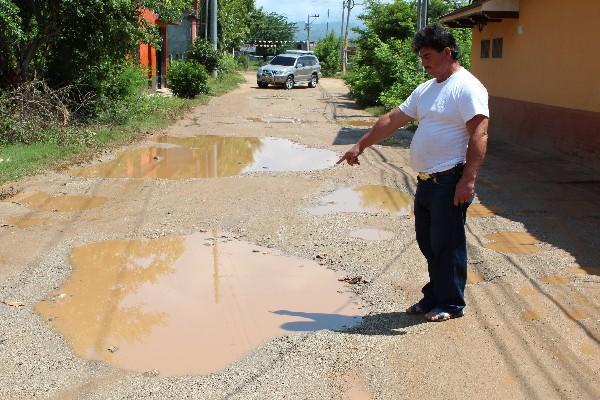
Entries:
{"x":494,"y":352}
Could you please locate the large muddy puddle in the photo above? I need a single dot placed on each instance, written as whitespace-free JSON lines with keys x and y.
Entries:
{"x":190,"y":304}
{"x":44,"y":202}
{"x":368,"y":198}
{"x":212,"y":156}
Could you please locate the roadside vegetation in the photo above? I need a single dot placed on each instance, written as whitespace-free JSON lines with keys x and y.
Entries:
{"x":70,"y":84}
{"x":384,"y":70}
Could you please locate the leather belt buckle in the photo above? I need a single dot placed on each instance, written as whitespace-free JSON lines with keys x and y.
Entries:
{"x":424,"y":176}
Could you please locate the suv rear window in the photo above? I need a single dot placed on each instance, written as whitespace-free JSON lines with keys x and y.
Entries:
{"x":285,"y":61}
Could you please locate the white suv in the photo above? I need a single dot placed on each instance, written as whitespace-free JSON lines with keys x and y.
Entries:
{"x":290,"y":68}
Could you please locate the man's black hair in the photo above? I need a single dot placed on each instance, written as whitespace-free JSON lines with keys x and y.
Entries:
{"x":435,"y":37}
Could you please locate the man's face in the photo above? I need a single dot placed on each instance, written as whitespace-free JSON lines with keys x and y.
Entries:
{"x":436,"y":63}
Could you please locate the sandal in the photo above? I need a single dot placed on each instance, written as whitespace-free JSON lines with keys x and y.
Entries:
{"x":439,"y":315}
{"x":416,"y":308}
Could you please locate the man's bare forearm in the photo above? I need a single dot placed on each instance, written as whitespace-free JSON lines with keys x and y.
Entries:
{"x":383,"y":128}
{"x":478,"y":130}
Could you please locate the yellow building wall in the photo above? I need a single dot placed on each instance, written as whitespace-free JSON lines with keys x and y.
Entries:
{"x":551,"y":54}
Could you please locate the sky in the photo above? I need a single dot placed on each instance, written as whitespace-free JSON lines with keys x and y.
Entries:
{"x":298,"y":10}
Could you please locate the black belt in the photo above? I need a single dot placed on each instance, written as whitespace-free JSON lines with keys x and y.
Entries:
{"x":457,"y":169}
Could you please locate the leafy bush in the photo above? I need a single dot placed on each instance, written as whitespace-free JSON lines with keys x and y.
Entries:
{"x":243,"y":63}
{"x":119,"y":88}
{"x":227,"y":65}
{"x":393,"y":73}
{"x":327,"y":51}
{"x":187,"y":79}
{"x":204,"y":54}
{"x":385,"y":70}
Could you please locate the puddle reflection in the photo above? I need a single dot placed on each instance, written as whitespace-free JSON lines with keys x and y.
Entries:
{"x":209,"y":156}
{"x":369,"y":198}
{"x":190,"y":305}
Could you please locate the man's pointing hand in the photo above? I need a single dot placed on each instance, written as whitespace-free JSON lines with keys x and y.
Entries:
{"x":351,"y":156}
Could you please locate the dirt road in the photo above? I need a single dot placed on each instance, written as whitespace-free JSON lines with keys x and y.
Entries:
{"x":532,"y":324}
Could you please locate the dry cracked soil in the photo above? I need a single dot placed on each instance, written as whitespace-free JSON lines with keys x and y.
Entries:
{"x":228,"y":257}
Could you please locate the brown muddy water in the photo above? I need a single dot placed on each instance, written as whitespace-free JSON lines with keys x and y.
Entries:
{"x":371,"y":234}
{"x":190,"y":304}
{"x":44,"y":202}
{"x":474,"y":277}
{"x":479,"y":210}
{"x":209,"y":156}
{"x":513,"y":242}
{"x":368,"y":198}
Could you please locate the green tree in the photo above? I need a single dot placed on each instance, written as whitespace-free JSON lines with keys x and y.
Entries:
{"x":234,"y":22}
{"x":273,"y":27}
{"x":327,"y":51}
{"x":385,"y":69}
{"x":63,"y":40}
{"x":203,"y":53}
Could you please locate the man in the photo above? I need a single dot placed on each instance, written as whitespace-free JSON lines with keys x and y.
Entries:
{"x":446,"y":151}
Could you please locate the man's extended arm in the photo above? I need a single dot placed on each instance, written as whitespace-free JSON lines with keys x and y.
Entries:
{"x":478,"y":135}
{"x":383,"y":128}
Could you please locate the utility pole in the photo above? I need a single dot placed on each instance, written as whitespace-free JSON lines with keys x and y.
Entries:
{"x":422,"y":6}
{"x":213,"y":29}
{"x":206,"y":19}
{"x":350,"y":6}
{"x":327,"y":26}
{"x":307,"y":27}
{"x":342,"y":34}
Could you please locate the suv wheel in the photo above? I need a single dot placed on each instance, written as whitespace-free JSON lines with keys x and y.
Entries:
{"x":262,"y":84}
{"x":313,"y":81}
{"x":289,"y":82}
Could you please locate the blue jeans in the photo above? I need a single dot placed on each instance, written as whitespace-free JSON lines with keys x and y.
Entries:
{"x":440,"y":229}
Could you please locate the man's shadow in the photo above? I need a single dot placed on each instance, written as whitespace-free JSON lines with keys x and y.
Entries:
{"x":384,"y":324}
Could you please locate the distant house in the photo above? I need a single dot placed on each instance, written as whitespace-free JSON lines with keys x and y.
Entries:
{"x":175,"y":38}
{"x":154,"y":60}
{"x":540,"y":60}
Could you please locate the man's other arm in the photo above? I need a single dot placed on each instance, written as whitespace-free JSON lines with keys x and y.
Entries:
{"x":478,"y":136}
{"x":383,"y":128}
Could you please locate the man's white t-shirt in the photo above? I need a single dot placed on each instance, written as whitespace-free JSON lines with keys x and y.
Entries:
{"x":442,"y":110}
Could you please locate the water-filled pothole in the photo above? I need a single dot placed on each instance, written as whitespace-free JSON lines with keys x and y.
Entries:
{"x":474,"y":277}
{"x":513,"y":242}
{"x":44,"y":202}
{"x":209,"y":156}
{"x":190,"y":304}
{"x":479,"y":210}
{"x":368,"y":198}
